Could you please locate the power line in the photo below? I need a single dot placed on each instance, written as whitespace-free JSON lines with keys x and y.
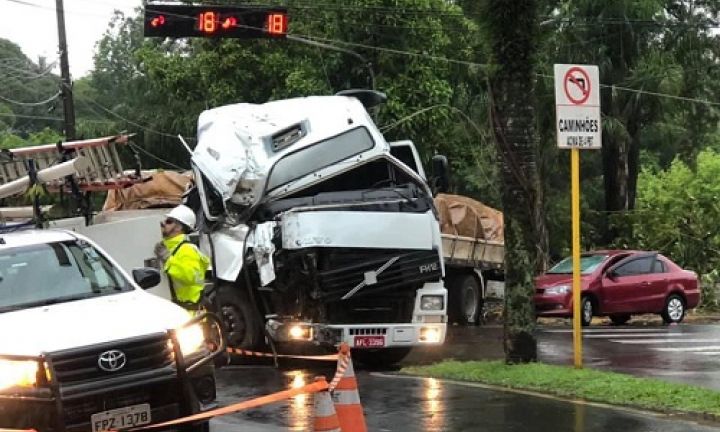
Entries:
{"x":30,"y":104}
{"x":114,"y":114}
{"x":157,"y":158}
{"x":650,"y":93}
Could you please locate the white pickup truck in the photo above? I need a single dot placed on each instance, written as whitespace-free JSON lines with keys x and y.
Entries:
{"x":84,"y":348}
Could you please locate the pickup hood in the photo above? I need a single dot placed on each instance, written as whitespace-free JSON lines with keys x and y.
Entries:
{"x":548,"y":280}
{"x":87,"y":322}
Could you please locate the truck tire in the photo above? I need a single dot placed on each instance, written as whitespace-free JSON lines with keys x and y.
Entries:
{"x":465,"y":299}
{"x":243,"y":328}
{"x":381,"y":357}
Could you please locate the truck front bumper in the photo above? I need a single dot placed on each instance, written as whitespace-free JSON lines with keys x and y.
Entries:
{"x":428,"y":326}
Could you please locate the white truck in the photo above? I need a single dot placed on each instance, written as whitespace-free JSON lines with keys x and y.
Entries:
{"x":318,"y":233}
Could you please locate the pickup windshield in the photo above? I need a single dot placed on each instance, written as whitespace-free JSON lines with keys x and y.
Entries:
{"x":588,"y":264}
{"x":52,"y":273}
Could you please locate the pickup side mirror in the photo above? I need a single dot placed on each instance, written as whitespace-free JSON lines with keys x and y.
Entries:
{"x":440,"y":174}
{"x":146,"y":277}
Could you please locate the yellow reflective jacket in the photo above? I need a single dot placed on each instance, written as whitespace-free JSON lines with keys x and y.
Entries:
{"x":186,"y":268}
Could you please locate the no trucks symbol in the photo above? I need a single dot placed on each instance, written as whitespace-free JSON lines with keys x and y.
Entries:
{"x":577,"y":106}
{"x":577,"y":85}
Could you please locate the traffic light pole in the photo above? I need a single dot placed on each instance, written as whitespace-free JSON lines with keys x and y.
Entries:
{"x":65,"y":82}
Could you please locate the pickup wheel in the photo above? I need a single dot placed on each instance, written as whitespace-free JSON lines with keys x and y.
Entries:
{"x":243,"y":328}
{"x":380,"y":358}
{"x":464,"y":298}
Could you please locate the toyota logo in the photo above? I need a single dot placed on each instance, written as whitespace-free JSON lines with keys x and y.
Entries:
{"x":112,"y":361}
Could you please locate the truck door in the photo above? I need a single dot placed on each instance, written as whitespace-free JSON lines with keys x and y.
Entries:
{"x":406,"y":152}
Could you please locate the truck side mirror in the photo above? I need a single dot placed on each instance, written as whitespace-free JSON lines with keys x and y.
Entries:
{"x":146,"y":277}
{"x":440,"y":174}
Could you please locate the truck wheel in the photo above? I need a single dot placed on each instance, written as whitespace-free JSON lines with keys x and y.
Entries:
{"x":466,"y":301}
{"x":380,"y":358}
{"x":243,"y":328}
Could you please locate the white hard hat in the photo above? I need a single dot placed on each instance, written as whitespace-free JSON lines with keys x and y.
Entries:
{"x":184,"y":215}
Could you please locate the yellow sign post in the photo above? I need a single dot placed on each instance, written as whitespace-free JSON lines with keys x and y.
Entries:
{"x":576,"y":287}
{"x":577,"y":108}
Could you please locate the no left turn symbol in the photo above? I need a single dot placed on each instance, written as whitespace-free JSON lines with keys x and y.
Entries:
{"x":576,"y":84}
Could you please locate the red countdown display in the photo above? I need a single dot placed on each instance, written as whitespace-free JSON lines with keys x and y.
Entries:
{"x":180,"y":20}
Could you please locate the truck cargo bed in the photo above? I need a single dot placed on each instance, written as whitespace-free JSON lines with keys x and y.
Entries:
{"x":472,"y":252}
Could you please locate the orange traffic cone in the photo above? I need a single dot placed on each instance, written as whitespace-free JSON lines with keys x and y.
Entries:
{"x":346,"y":397}
{"x":325,"y":418}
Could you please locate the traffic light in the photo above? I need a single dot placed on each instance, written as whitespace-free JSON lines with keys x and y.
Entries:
{"x":181,"y":20}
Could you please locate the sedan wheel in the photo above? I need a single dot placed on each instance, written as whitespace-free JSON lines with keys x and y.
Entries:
{"x":674,"y":311}
{"x":587,"y":311}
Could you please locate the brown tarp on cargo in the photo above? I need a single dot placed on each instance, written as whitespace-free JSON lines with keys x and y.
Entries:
{"x":161,"y":189}
{"x":463,"y":216}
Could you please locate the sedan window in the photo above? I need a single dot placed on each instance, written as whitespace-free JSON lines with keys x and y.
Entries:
{"x":635,"y":267}
{"x":659,"y":266}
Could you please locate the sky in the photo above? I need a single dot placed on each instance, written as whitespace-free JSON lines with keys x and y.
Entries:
{"x":32,"y":24}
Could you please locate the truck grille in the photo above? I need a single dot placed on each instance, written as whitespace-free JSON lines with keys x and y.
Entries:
{"x":144,"y":354}
{"x":341,"y":271}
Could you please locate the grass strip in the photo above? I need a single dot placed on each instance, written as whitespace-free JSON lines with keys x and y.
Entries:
{"x":588,"y":384}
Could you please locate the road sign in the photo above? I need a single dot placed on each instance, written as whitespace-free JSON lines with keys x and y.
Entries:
{"x":577,"y":106}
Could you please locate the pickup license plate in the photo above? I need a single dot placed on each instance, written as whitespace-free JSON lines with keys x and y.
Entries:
{"x":369,"y":341}
{"x":121,"y":418}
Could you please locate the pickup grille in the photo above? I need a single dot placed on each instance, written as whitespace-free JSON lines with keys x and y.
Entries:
{"x":143,"y":354}
{"x":160,"y":396}
{"x":341,"y":271}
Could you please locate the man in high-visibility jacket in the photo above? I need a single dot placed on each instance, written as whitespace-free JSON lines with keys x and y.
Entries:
{"x":184,"y":264}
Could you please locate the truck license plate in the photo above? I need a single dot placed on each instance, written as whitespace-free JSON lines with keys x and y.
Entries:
{"x":369,"y":341}
{"x":121,"y":418}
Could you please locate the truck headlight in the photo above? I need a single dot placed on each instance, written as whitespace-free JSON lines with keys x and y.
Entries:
{"x":430,"y":335}
{"x":190,"y":338}
{"x":15,"y":373}
{"x":558,"y":289}
{"x":431,"y":303}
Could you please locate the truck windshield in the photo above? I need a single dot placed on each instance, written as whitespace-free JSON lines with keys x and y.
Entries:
{"x":52,"y":273}
{"x":320,"y":155}
{"x":588,"y":264}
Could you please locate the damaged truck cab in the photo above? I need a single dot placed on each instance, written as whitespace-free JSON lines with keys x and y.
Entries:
{"x":318,"y":233}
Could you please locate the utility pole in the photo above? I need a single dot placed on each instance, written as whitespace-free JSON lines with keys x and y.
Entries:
{"x":65,"y":82}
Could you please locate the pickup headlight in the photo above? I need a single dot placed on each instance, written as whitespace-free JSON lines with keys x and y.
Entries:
{"x":14,"y":373}
{"x":558,"y":289}
{"x":431,"y":303}
{"x":190,"y":338}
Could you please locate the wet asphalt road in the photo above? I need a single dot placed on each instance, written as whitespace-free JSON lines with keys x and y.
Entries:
{"x":678,"y":353}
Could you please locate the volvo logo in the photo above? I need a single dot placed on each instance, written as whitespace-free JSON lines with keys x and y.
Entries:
{"x":112,"y":361}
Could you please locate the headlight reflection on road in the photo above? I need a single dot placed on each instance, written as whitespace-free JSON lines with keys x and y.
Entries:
{"x":434,"y":405}
{"x":300,"y":406}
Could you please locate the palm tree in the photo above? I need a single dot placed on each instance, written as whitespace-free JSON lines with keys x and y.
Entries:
{"x":512,"y":31}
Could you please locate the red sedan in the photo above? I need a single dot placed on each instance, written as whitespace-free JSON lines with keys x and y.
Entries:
{"x":619,"y":284}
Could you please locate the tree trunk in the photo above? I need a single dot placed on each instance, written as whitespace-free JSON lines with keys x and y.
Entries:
{"x":512,"y":31}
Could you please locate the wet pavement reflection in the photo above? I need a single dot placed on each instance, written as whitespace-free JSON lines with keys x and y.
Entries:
{"x":394,"y":403}
{"x":408,"y":404}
